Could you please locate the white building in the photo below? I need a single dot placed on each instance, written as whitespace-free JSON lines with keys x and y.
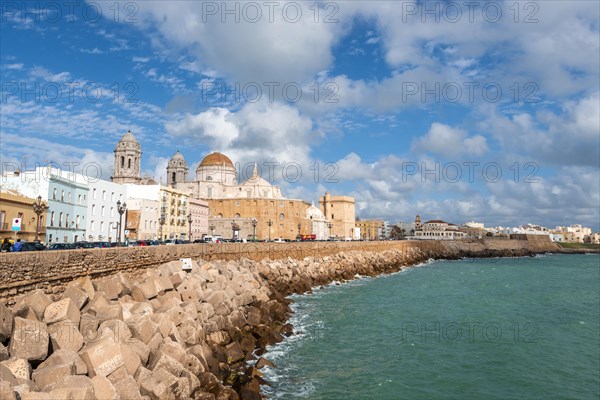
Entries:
{"x":473,"y":224}
{"x":318,"y":222}
{"x":143,"y":218}
{"x":103,"y":219}
{"x":437,"y":229}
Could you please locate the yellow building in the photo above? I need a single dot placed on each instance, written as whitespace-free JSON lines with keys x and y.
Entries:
{"x":340,"y":212}
{"x":285,"y":215}
{"x":14,"y":205}
{"x":371,"y":229}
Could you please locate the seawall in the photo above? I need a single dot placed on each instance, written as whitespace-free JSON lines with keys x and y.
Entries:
{"x":51,"y":271}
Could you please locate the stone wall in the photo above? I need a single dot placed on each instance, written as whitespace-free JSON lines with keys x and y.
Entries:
{"x":52,"y":270}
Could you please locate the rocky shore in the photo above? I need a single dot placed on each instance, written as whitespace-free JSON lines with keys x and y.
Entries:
{"x":174,"y":332}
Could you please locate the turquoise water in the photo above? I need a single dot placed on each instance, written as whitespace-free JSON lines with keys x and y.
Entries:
{"x":517,"y":328}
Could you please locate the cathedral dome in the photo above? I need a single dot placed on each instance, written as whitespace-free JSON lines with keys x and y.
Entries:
{"x":314,"y":213}
{"x":177,"y":156}
{"x":216,"y":159}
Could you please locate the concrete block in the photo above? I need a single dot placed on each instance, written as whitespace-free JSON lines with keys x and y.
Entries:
{"x":113,"y":311}
{"x":37,"y":301}
{"x":6,"y":322}
{"x":18,"y":367}
{"x":128,"y":389}
{"x":47,"y":375}
{"x":130,"y":358}
{"x":116,"y":330}
{"x":142,"y":350}
{"x":103,"y":389}
{"x":30,"y":340}
{"x":65,"y":335}
{"x":62,"y":310}
{"x":102,"y":357}
{"x":234,"y":352}
{"x":79,"y":297}
{"x":162,"y":385}
{"x":6,"y":391}
{"x":143,"y":328}
{"x":64,"y":356}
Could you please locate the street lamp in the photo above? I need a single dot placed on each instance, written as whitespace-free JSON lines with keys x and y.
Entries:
{"x":299,"y":227}
{"x":189,"y":218}
{"x":212,"y":228}
{"x":254,"y":222}
{"x":161,"y":221}
{"x":330,"y":226}
{"x":121,"y":210}
{"x":269,"y":223}
{"x":38,"y":209}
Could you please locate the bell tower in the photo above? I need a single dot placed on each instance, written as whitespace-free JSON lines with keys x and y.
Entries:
{"x":128,"y":153}
{"x":177,"y":170}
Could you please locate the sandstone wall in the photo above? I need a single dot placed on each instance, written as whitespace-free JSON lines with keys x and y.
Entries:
{"x":52,"y":270}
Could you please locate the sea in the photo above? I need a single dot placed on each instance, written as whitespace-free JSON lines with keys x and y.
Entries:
{"x":500,"y":328}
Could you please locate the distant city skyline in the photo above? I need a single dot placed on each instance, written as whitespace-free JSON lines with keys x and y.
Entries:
{"x":483,"y":112}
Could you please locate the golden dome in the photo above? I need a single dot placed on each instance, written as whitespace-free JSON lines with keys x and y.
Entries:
{"x":216,"y":159}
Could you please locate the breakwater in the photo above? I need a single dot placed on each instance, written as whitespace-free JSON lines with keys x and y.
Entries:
{"x":137,"y":330}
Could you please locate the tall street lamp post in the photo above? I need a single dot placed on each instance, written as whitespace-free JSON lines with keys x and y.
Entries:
{"x":330,"y":226}
{"x":121,"y":209}
{"x":161,"y":222}
{"x":299,"y":228}
{"x":254,"y":223}
{"x":212,"y":228}
{"x":38,"y":209}
{"x":269,"y":223}
{"x":189,"y":218}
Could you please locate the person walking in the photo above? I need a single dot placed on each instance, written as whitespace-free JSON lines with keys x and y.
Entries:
{"x":17,"y":246}
{"x":5,"y":247}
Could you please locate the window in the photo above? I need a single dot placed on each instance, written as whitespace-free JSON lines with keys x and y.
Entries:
{"x":209,"y":178}
{"x":79,"y":199}
{"x":62,"y":195}
{"x":60,"y":219}
{"x":102,"y":211}
{"x":248,"y":194}
{"x":69,"y":197}
{"x":92,"y":225}
{"x":104,"y":195}
{"x":54,"y":194}
{"x":94,"y":194}
{"x":129,"y":163}
{"x":52,"y":218}
{"x":67,"y":221}
{"x":112,"y":196}
{"x":237,"y":215}
{"x":2,"y":218}
{"x":209,"y":192}
{"x":112,"y":214}
{"x":122,"y":161}
{"x":281,"y":216}
{"x":77,"y":222}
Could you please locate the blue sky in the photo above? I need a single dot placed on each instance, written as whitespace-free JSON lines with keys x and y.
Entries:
{"x":371,"y":94}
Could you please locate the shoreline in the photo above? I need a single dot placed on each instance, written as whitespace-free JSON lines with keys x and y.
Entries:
{"x":203,"y":331}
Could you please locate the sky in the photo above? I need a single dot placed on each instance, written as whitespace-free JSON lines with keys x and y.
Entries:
{"x":482,"y":110}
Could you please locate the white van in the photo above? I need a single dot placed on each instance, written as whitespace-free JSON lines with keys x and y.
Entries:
{"x":212,"y":239}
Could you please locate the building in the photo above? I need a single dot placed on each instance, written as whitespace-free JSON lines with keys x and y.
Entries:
{"x":66,"y":194}
{"x":370,"y":229}
{"x":15,"y":205}
{"x":593,"y":238}
{"x":103,"y":218}
{"x":128,"y":156}
{"x":199,"y":213}
{"x":143,"y":219}
{"x":437,"y":229}
{"x":216,"y":178}
{"x":341,"y":213}
{"x":574,"y":233}
{"x":171,"y":217}
{"x":473,"y":224}
{"x":318,"y":222}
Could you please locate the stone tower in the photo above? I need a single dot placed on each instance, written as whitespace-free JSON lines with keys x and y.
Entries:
{"x":418,"y":223}
{"x":177,"y":170}
{"x":128,"y":154}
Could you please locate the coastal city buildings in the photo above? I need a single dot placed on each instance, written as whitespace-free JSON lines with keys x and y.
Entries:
{"x":371,"y":229}
{"x":438,"y":229}
{"x":340,"y":213}
{"x":14,"y":205}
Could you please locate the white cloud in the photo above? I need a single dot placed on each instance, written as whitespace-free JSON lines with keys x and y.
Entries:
{"x":44,"y":74}
{"x":449,"y":142}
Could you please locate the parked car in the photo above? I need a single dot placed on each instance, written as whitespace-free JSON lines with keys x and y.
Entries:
{"x":280,"y":240}
{"x":62,"y":246}
{"x":174,"y":241}
{"x":32,"y":246}
{"x":84,"y":245}
{"x":101,"y":245}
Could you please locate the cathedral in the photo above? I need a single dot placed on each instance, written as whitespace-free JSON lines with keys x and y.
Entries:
{"x":253,"y":208}
{"x":216,"y":178}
